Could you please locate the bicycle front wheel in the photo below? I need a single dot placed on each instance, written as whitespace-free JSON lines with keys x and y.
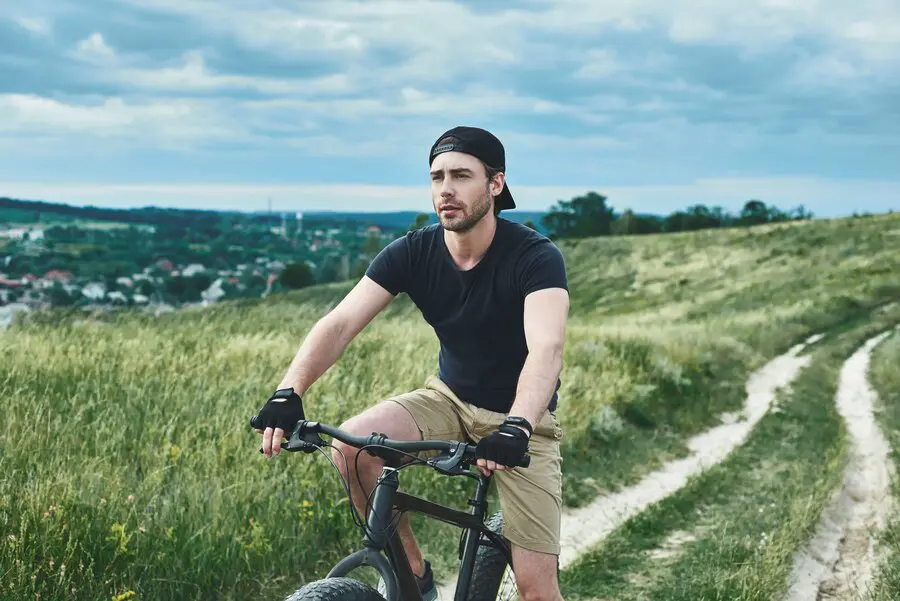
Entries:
{"x":492,"y":576}
{"x":335,"y":589}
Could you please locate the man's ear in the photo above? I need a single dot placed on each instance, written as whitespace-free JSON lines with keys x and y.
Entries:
{"x":497,"y":183}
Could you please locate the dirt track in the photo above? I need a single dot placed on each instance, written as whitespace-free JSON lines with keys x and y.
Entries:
{"x":584,"y":527}
{"x":838,"y":562}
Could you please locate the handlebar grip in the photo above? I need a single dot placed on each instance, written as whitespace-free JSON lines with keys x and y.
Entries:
{"x":253,"y":421}
{"x":526,"y":461}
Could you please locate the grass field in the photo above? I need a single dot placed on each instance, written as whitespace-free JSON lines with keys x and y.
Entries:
{"x":126,"y":461}
{"x":733,"y":531}
{"x":886,"y":382}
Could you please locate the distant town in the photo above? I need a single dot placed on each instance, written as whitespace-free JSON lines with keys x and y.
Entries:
{"x":157,"y":260}
{"x":163,"y":267}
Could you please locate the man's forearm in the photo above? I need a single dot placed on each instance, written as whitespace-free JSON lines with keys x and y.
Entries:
{"x":322,"y":347}
{"x":537,"y":383}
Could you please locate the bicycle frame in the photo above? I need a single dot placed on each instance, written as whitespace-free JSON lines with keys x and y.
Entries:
{"x":393,"y":563}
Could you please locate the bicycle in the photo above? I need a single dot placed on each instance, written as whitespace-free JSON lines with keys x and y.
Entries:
{"x":485,"y":555}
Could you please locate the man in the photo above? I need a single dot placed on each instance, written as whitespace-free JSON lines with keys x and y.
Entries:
{"x":496,"y":295}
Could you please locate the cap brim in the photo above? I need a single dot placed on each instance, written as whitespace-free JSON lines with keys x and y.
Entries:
{"x":505,"y":199}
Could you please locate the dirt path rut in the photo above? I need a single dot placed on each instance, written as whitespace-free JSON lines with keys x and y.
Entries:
{"x":837,"y":563}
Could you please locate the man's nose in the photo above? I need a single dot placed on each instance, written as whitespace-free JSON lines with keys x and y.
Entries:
{"x":446,"y":188}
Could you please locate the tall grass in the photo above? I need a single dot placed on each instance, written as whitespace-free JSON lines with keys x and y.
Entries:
{"x":127,"y":462}
{"x":885,"y":377}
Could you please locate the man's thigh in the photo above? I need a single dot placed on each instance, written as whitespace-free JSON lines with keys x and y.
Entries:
{"x":428,"y":411}
{"x":386,"y":418}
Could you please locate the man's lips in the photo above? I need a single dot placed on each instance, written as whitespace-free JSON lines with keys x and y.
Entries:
{"x":449,"y":208}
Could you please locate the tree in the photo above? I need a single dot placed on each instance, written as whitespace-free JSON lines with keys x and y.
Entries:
{"x":581,"y":217}
{"x":295,"y":276}
{"x":800,"y":213}
{"x":421,"y":221}
{"x":59,"y":297}
{"x":530,"y":223}
{"x":755,"y":212}
{"x":628,"y":224}
{"x":696,"y":217}
{"x":372,"y":245}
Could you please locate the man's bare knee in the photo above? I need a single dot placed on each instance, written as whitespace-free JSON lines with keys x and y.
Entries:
{"x":387,"y":418}
{"x":536,"y":575}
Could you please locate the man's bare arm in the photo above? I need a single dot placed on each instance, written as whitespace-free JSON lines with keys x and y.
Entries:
{"x":330,"y":336}
{"x":325,"y":343}
{"x":546,"y":313}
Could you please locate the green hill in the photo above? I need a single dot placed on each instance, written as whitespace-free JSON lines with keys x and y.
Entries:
{"x":25,"y":212}
{"x":127,"y":457}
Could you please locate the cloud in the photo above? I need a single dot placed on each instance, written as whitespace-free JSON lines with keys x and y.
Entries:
{"x":622,"y":92}
{"x":37,"y":26}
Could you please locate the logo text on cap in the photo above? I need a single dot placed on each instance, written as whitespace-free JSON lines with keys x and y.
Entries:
{"x":443,"y":148}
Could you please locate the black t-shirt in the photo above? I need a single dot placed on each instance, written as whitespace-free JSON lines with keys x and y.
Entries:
{"x":476,"y":314}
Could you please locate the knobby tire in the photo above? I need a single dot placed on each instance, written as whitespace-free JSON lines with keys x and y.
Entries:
{"x":336,"y":589}
{"x":490,"y":565}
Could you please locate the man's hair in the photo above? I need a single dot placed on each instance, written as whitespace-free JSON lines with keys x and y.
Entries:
{"x":489,"y":171}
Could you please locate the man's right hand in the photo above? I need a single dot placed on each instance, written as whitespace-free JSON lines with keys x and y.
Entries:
{"x":277,"y":417}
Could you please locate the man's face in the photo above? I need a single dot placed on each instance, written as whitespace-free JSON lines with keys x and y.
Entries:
{"x":460,"y":190}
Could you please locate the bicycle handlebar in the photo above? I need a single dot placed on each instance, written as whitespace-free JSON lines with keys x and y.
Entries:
{"x":305,"y":438}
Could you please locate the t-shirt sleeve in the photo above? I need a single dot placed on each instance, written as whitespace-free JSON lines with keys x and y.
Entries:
{"x":390,"y":267}
{"x":543,"y":267}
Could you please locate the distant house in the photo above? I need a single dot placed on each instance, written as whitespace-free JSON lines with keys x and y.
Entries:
{"x":94,"y":291}
{"x":56,"y":275}
{"x":166,"y":265}
{"x":213,"y":293}
{"x":193,"y":269}
{"x":7,"y":283}
{"x":124,"y":281}
{"x":20,"y":233}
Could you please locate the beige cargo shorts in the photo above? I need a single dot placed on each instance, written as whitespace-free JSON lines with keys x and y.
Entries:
{"x":530,"y":498}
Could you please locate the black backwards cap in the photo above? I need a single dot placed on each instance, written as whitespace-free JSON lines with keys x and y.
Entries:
{"x":482,"y":145}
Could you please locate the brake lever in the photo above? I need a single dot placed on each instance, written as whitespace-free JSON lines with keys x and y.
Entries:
{"x":308,"y":443}
{"x":450,"y":465}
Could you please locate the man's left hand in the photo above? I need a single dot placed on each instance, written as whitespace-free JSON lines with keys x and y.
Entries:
{"x":501,"y":449}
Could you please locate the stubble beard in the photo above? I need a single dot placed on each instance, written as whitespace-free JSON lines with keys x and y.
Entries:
{"x":467,"y":221}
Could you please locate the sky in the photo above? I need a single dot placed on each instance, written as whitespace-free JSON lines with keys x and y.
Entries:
{"x":309,"y":105}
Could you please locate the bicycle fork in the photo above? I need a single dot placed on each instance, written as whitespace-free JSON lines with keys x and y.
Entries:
{"x":394,"y":569}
